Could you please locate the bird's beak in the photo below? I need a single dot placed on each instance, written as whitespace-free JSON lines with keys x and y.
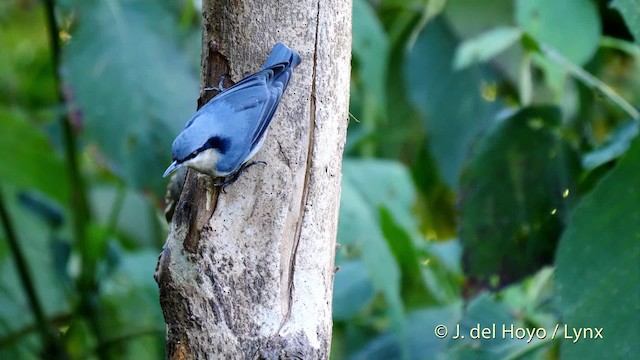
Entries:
{"x":174,"y":165}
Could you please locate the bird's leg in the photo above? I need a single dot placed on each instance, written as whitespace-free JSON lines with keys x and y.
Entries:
{"x":237,"y":174}
{"x":220,"y":87}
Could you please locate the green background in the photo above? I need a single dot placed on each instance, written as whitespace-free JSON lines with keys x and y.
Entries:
{"x":491,"y":176}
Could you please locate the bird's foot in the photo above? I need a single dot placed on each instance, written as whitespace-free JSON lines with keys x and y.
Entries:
{"x":220,"y":87}
{"x":236,"y":175}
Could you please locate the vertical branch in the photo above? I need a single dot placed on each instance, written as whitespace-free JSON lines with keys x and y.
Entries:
{"x":248,"y":274}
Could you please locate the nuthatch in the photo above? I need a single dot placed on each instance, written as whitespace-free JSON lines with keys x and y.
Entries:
{"x":224,"y":134}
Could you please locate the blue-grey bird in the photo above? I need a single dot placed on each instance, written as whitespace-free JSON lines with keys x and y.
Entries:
{"x":224,"y":134}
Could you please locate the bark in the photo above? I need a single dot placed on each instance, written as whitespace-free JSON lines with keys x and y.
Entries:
{"x":248,"y":274}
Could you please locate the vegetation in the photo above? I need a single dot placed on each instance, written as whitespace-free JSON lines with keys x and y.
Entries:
{"x":490,"y":176}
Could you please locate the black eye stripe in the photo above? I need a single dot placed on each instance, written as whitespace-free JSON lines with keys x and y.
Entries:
{"x":215,"y":142}
{"x":190,"y":156}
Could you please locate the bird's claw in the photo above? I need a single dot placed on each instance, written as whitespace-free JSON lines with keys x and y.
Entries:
{"x":220,"y":87}
{"x":235,"y":176}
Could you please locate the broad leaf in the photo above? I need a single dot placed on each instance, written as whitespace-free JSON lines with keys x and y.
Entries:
{"x":598,"y":266}
{"x":352,"y":290}
{"x":135,"y":218}
{"x":552,"y":22}
{"x":126,"y":311}
{"x":27,"y":159}
{"x":359,"y":233}
{"x":490,"y":329}
{"x":514,"y":196}
{"x":422,"y":343}
{"x":371,"y":56}
{"x":485,"y":46}
{"x":426,"y":277}
{"x":630,"y":11}
{"x":469,"y":19}
{"x":451,"y":103}
{"x":38,"y":245}
{"x":133,"y":87}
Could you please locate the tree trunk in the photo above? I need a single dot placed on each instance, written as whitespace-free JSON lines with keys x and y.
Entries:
{"x":248,"y":274}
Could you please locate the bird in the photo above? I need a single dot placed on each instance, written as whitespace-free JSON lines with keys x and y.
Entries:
{"x":225,"y":133}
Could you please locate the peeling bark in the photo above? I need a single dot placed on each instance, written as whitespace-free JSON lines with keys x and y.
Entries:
{"x":248,"y":274}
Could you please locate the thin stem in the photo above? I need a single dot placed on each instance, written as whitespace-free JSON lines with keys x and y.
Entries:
{"x":589,"y":80}
{"x":53,"y":36}
{"x":25,"y":277}
{"x":87,"y":285}
{"x":527,"y":350}
{"x":18,"y":334}
{"x":79,"y":203}
{"x":526,"y":84}
{"x":621,"y":45}
{"x":109,"y":343}
{"x":116,"y":208}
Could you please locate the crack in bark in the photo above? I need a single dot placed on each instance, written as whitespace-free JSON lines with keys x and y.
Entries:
{"x":195,"y":207}
{"x":191,"y":207}
{"x":305,"y":188}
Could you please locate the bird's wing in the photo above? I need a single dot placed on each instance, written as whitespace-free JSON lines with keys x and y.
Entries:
{"x":240,"y":115}
{"x":272,"y":96}
{"x":247,"y":109}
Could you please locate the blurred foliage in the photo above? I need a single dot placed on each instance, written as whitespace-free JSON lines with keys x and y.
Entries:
{"x":490,"y":176}
{"x":507,"y":129}
{"x":515,"y":194}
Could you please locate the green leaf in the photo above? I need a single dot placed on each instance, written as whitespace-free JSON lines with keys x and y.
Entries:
{"x":129,"y":308}
{"x":453,"y":109}
{"x":515,"y":193}
{"x":27,"y":159}
{"x":435,"y":7}
{"x":630,"y":11}
{"x":371,"y":54}
{"x":618,"y":145}
{"x":48,"y":211}
{"x":426,"y":278}
{"x":469,"y":18}
{"x":488,"y":331}
{"x":360,"y":233}
{"x":552,"y":22}
{"x":485,"y":46}
{"x":597,"y":265}
{"x":26,"y":72}
{"x":37,"y":244}
{"x":388,"y":192}
{"x":383,"y":183}
{"x":135,"y":219}
{"x":422,"y":344}
{"x":352,"y":290}
{"x":377,"y":224}
{"x":531,"y":300}
{"x":132,"y":85}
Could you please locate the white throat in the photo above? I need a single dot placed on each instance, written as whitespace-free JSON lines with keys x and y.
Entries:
{"x":205,"y":162}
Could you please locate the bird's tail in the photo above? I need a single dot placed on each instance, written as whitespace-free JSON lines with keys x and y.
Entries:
{"x":283,"y":58}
